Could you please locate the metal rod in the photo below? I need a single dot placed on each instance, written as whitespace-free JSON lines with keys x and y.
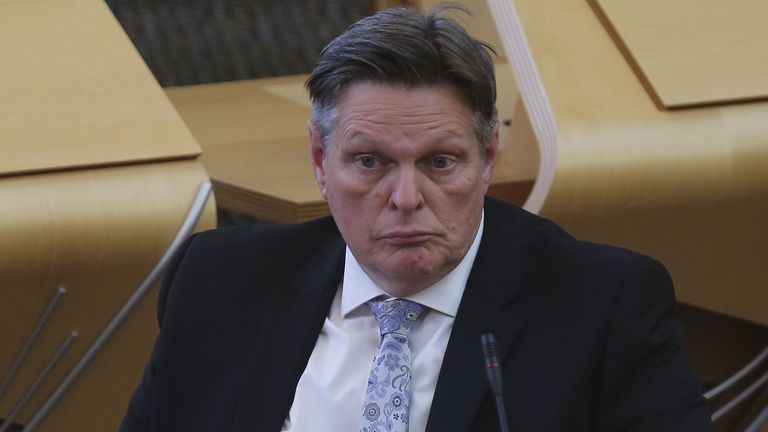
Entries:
{"x":55,"y":358}
{"x":759,"y":421}
{"x":184,"y":230}
{"x":740,"y":397}
{"x":738,"y":375}
{"x":41,"y":322}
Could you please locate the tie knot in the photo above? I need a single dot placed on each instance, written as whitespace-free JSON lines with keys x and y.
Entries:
{"x":395,"y":316}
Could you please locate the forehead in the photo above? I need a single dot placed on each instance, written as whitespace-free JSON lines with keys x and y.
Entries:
{"x":367,"y":107}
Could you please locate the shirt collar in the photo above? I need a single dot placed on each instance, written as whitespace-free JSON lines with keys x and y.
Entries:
{"x":444,"y":296}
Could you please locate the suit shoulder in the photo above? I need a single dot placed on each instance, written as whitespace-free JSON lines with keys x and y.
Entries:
{"x":273,"y":240}
{"x":223,"y":266}
{"x":256,"y":251}
{"x":544,"y":239}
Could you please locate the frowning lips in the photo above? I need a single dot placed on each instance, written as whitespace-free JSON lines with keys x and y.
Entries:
{"x":406,"y":237}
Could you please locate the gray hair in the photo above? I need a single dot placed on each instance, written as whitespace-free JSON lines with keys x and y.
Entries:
{"x":403,"y":46}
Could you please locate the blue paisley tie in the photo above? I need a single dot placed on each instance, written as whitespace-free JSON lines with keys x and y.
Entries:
{"x":388,"y":395}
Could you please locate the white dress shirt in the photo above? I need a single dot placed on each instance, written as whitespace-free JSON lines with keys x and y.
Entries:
{"x":330,"y":392}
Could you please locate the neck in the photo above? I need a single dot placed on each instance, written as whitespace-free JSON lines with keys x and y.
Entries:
{"x":404,"y":287}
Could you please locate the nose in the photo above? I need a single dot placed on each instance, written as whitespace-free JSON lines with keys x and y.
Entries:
{"x":406,"y":195}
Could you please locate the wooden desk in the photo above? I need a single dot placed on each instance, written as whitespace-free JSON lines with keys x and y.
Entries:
{"x":78,"y":95}
{"x":688,"y":187}
{"x":706,"y":55}
{"x":255,"y":145}
{"x":97,"y":171}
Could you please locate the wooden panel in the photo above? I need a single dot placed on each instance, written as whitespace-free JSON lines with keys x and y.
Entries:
{"x":689,"y":187}
{"x":377,"y":5}
{"x":479,"y":24}
{"x":255,"y":141}
{"x":75,"y":92}
{"x":96,"y":174}
{"x":693,"y":53}
{"x":97,"y":232}
{"x":272,"y":176}
{"x":241,"y":111}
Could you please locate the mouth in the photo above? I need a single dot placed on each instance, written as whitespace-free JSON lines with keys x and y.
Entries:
{"x":404,"y":238}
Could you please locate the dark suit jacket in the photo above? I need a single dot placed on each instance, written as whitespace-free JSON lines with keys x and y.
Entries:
{"x":587,"y":334}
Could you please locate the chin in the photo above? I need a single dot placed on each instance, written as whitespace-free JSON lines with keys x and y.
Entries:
{"x":411,"y":263}
{"x":415,"y":272}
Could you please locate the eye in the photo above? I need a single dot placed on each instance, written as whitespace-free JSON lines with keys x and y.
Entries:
{"x":367,"y":161}
{"x":442,"y":162}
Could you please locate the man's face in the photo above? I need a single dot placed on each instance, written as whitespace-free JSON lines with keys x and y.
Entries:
{"x":405,"y":178}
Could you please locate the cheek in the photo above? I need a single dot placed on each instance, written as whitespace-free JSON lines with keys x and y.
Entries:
{"x":458,"y":204}
{"x":346,"y":182}
{"x":465,"y":189}
{"x":352,"y":211}
{"x":362,"y":199}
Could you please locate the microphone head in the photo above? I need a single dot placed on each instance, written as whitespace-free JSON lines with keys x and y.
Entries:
{"x":490,"y":353}
{"x":493,"y":373}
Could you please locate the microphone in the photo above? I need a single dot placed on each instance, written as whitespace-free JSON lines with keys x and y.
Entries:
{"x":493,"y":373}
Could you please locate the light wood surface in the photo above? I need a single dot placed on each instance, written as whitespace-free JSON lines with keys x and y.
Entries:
{"x":255,"y":145}
{"x":96,"y":174}
{"x":70,"y":76}
{"x":97,"y":232}
{"x":689,"y":187}
{"x":241,"y":111}
{"x":693,"y":53}
{"x":479,"y":23}
{"x":377,"y":5}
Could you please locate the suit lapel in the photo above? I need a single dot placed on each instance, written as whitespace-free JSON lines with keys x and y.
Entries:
{"x":490,"y":304}
{"x":286,"y":341}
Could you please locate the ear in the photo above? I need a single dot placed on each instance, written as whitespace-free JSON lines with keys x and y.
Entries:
{"x":318,"y":156}
{"x":491,"y":154}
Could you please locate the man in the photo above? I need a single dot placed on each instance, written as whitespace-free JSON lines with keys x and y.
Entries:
{"x":273,"y":327}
